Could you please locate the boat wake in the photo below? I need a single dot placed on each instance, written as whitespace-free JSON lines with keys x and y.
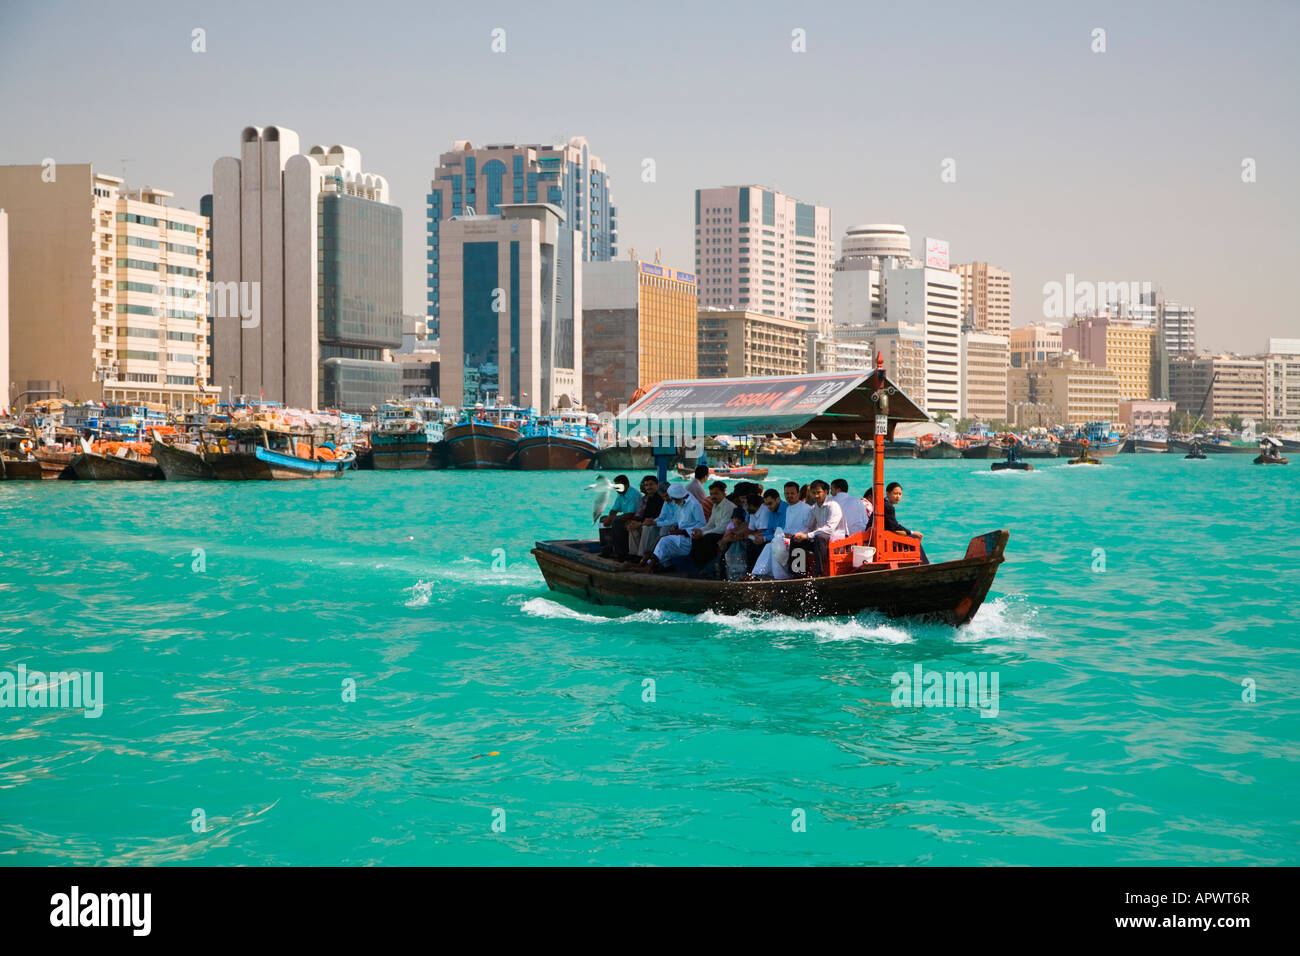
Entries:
{"x":421,"y":591}
{"x":1001,"y":619}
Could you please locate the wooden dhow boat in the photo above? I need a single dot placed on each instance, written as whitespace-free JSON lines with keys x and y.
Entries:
{"x":16,"y":460}
{"x":115,"y":461}
{"x":259,"y":451}
{"x":1270,"y":453}
{"x":896,"y":581}
{"x":486,"y":437}
{"x":180,"y":460}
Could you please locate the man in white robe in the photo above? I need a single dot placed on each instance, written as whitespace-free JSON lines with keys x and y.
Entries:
{"x":680,"y":517}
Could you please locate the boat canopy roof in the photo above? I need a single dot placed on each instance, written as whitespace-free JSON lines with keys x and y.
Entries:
{"x":814,"y":405}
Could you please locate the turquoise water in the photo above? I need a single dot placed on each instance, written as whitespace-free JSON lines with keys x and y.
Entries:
{"x":1119,"y":689}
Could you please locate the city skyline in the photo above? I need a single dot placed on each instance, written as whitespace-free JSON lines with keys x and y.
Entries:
{"x":1102,"y":165}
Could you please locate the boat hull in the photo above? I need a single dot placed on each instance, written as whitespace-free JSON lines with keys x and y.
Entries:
{"x":177,"y":464}
{"x":625,"y":458}
{"x":91,"y":466}
{"x":477,"y":445}
{"x":1149,"y":446}
{"x":950,"y":592}
{"x":842,"y":455}
{"x":555,"y":453}
{"x":1262,"y":460}
{"x":265,"y":465}
{"x":941,"y":450}
{"x":1211,"y":448}
{"x":900,"y":449}
{"x":20,"y":469}
{"x":1074,"y":449}
{"x":401,"y":455}
{"x":1011,"y":466}
{"x":1040,"y":451}
{"x":985,"y":451}
{"x":57,"y":464}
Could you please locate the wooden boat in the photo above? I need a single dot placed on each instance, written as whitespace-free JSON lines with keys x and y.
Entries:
{"x":950,"y":592}
{"x":485,"y":438}
{"x":180,"y":461}
{"x":1270,"y":453}
{"x":1150,"y":446}
{"x":19,"y":469}
{"x":94,"y":466}
{"x":898,"y":581}
{"x":253,"y":452}
{"x":982,"y":450}
{"x":939,"y":450}
{"x":1214,"y":447}
{"x":56,"y":463}
{"x":1084,"y":459}
{"x":1011,"y":466}
{"x":402,"y":439}
{"x":625,"y":458}
{"x":562,"y":443}
{"x":900,"y":449}
{"x":1032,"y":449}
{"x":815,"y":454}
{"x":750,"y":472}
{"x":16,"y":460}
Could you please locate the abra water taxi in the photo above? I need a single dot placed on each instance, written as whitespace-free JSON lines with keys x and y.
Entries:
{"x":895,"y":581}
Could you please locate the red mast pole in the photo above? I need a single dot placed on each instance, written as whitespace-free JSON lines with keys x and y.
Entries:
{"x":882,"y":427}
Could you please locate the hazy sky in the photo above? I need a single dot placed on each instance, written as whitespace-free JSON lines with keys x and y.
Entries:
{"x":1117,"y":166}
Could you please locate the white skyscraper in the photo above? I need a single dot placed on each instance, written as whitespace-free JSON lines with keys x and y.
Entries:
{"x":759,"y":250}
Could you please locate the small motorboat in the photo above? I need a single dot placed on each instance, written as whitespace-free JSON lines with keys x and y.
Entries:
{"x":1270,"y":453}
{"x":1015,"y":465}
{"x":1195,"y":453}
{"x":1084,"y":459}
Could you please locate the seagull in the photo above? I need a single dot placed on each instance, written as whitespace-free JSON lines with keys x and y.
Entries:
{"x":604,"y":494}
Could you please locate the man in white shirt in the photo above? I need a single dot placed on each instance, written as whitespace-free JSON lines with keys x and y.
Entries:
{"x":824,"y":525}
{"x":797,"y":512}
{"x":855,"y":512}
{"x":695,"y":488}
{"x":704,"y":541}
{"x":680,"y":517}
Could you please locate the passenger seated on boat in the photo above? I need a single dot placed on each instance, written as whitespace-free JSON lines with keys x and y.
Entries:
{"x":613,"y":534}
{"x":696,"y":489}
{"x":641,"y":531}
{"x":704,"y":542}
{"x":733,"y":548}
{"x":824,"y":525}
{"x":680,"y":517}
{"x":893,"y":495}
{"x":855,"y":513}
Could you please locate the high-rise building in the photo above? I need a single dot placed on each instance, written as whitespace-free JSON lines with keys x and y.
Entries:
{"x":902,"y":347}
{"x":312,"y":240}
{"x":639,"y":327}
{"x":1035,"y":343}
{"x":930,"y":298}
{"x":865,"y":251}
{"x":470,"y":181}
{"x":1218,"y":386}
{"x":984,"y":357}
{"x":1282,"y":383}
{"x":1177,"y":324}
{"x":126,"y":323}
{"x":503,"y":338}
{"x":762,"y":251}
{"x":1063,"y":390}
{"x":1121,"y":345}
{"x":5,"y":397}
{"x":740,"y":344}
{"x":985,"y":297}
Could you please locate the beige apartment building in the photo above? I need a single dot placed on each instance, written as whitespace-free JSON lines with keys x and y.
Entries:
{"x":984,"y":357}
{"x":1222,"y":385}
{"x":985,"y":297}
{"x":1067,"y":389}
{"x":108,"y":290}
{"x":1035,"y":343}
{"x":738,"y":344}
{"x":639,"y":326}
{"x":1125,"y":347}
